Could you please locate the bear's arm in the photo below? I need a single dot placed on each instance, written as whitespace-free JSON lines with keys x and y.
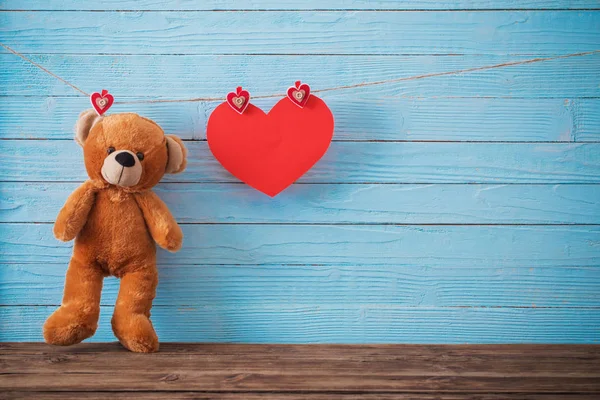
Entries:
{"x":73,"y":216}
{"x":161,"y":224}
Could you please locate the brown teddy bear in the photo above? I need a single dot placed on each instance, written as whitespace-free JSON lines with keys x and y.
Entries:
{"x":115,"y":218}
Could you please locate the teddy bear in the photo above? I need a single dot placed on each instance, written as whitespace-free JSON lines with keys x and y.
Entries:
{"x":115,"y":219}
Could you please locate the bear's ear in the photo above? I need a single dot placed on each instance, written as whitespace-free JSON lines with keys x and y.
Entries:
{"x":177,"y":155}
{"x":86,"y":121}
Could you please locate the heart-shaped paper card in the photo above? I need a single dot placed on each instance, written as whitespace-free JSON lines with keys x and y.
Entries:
{"x":270,"y":151}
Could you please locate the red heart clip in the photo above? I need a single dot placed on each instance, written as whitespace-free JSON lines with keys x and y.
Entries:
{"x":238,"y":100}
{"x":102,"y":102}
{"x":299,"y":94}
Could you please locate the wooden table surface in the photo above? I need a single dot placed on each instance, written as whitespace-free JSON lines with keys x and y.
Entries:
{"x":241,"y":371}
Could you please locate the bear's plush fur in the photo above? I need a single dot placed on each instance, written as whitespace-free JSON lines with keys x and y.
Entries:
{"x":115,"y":218}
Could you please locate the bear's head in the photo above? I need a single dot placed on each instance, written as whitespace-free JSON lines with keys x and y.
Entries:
{"x":127,"y":150}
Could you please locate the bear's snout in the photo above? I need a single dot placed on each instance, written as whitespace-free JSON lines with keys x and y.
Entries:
{"x":125,"y":159}
{"x":122,"y":168}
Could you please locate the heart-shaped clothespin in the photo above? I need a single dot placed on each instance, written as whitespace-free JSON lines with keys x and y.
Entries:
{"x":299,"y":94}
{"x":101,"y":101}
{"x":238,"y":100}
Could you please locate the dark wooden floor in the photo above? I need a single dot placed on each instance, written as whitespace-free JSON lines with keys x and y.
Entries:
{"x":292,"y":372}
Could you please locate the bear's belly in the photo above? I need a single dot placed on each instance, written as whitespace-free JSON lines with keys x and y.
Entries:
{"x":115,"y":235}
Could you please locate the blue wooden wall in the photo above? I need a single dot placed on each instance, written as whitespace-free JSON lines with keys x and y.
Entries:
{"x":450,"y":209}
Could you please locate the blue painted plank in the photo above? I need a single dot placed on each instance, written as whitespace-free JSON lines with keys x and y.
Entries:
{"x":191,"y":5}
{"x":585,"y":121}
{"x":419,"y":246}
{"x":336,"y":324}
{"x":421,"y":119}
{"x":348,"y":162}
{"x":192,"y":76}
{"x":313,"y":285}
{"x":338,"y":203}
{"x":303,"y":32}
{"x":24,"y":117}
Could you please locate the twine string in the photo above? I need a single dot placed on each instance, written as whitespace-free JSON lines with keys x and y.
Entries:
{"x":331,"y":89}
{"x":44,"y":69}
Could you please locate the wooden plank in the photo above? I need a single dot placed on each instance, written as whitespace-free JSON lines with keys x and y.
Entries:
{"x":177,"y":76}
{"x":338,"y":203}
{"x":160,"y":395}
{"x":227,"y":5}
{"x":348,"y":162}
{"x":314,"y":371}
{"x":301,"y":32}
{"x":586,"y":120}
{"x":420,"y":119}
{"x":24,"y":117}
{"x":417,"y":360}
{"x":356,"y":323}
{"x":418,"y":246}
{"x":546,"y":352}
{"x":314,"y":285}
{"x":416,"y":357}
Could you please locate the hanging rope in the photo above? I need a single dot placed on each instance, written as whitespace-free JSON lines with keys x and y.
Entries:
{"x":331,"y":89}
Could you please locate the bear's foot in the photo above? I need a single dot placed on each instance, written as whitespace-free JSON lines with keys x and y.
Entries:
{"x":67,"y":326}
{"x":135,"y":332}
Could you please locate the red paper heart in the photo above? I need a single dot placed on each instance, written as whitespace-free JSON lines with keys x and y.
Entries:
{"x":299,"y":94}
{"x":102,"y":102}
{"x":270,"y":151}
{"x":238,"y":100}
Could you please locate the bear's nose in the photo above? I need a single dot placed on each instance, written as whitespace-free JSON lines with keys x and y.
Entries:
{"x":125,"y":159}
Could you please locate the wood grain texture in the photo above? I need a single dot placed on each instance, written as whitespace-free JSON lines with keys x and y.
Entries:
{"x":413,"y":360}
{"x":227,"y":371}
{"x":419,"y":246}
{"x":417,"y":119}
{"x":302,"y":32}
{"x":388,"y":5}
{"x":586,"y":118}
{"x":348,"y":162}
{"x":337,"y":203}
{"x":359,"y":324}
{"x":314,"y":285}
{"x":191,"y":76}
{"x":544,"y":359}
{"x":160,"y":395}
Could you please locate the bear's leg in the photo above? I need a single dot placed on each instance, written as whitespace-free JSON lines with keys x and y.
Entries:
{"x":131,"y":320}
{"x":77,"y":318}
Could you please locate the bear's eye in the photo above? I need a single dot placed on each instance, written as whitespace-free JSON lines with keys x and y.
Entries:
{"x":110,"y":150}
{"x":140,"y":155}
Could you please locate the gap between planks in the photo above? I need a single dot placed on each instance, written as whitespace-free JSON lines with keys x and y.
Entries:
{"x":301,"y":10}
{"x":104,"y":305}
{"x":363,"y":141}
{"x":341,"y":224}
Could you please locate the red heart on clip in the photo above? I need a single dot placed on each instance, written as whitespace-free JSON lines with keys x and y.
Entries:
{"x":270,"y":151}
{"x":102,"y":101}
{"x":238,"y":100}
{"x":299,"y":94}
